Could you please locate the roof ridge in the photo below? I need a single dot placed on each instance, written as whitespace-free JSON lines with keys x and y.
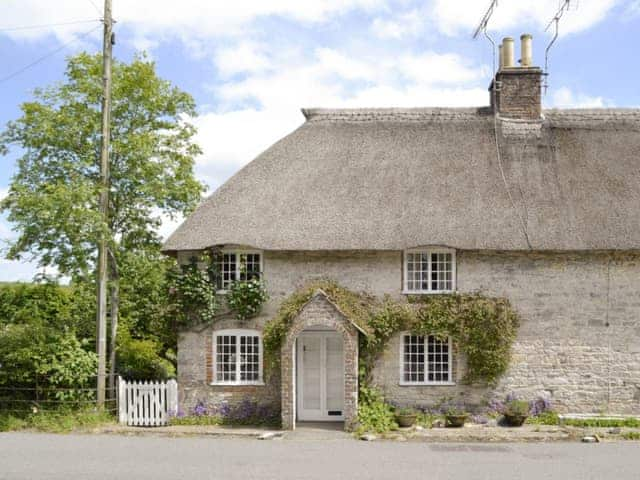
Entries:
{"x":393,"y":113}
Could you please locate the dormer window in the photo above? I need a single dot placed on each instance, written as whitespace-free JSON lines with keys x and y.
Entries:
{"x":430,"y":270}
{"x":237,"y":265}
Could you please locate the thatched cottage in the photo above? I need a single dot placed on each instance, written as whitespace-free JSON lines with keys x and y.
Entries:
{"x":541,"y":207}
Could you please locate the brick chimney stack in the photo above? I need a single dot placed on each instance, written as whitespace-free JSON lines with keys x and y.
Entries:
{"x":518,"y":88}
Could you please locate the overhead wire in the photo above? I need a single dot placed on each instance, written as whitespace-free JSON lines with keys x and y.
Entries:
{"x":48,"y":54}
{"x":47,"y":25}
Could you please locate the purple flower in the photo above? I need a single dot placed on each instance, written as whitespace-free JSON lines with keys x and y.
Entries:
{"x":200,"y":409}
{"x":479,"y":419}
{"x":495,"y":406}
{"x":539,"y":406}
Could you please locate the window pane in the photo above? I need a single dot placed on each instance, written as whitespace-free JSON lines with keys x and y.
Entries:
{"x":441,"y":271}
{"x":227,"y":268}
{"x":249,"y":358}
{"x":226,"y":358}
{"x":438,"y":359}
{"x":414,"y":358}
{"x":250,"y":266}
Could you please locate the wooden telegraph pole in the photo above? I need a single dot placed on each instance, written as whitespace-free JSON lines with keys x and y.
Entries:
{"x":104,"y":205}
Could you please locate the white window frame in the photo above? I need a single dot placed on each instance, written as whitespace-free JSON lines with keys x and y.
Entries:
{"x":238,"y":332}
{"x":426,"y":382}
{"x":238,"y":252}
{"x":429,"y":251}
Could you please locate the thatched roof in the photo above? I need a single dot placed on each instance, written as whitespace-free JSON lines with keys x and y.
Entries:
{"x":390,"y":179}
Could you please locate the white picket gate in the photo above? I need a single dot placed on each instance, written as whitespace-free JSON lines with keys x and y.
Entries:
{"x":147,"y":404}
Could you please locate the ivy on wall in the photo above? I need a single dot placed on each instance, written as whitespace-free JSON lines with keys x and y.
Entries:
{"x":483,"y":328}
{"x":192,"y":291}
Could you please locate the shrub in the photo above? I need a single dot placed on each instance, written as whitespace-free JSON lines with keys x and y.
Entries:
{"x":602,"y":422}
{"x":140,"y":359}
{"x":545,"y":418}
{"x":374,"y":414}
{"x":516,"y":408}
{"x":192,"y":295}
{"x":246,"y":298}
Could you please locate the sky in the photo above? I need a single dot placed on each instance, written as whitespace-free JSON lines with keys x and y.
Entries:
{"x":252,"y":64}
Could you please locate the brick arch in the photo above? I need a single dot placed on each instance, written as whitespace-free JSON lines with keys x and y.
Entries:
{"x":320,"y":311}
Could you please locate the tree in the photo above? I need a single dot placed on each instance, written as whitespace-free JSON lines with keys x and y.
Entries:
{"x":53,"y":197}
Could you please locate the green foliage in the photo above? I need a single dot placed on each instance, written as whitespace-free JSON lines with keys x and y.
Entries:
{"x":374,"y":414}
{"x":406,"y":411}
{"x":139,"y":359}
{"x":427,"y":420}
{"x":204,"y":420}
{"x":484,"y":329}
{"x":40,"y":357}
{"x":602,"y":422}
{"x":52,"y":201}
{"x":631,"y":435}
{"x":357,"y":307}
{"x":61,"y":421}
{"x":68,"y":369}
{"x":545,"y":418}
{"x":53,"y":196}
{"x":516,"y":408}
{"x":192,"y":293}
{"x":246,"y":298}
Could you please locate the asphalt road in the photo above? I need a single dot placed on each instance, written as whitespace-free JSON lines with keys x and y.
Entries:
{"x":39,"y":456}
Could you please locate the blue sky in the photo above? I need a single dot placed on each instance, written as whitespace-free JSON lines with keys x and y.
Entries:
{"x":252,"y":64}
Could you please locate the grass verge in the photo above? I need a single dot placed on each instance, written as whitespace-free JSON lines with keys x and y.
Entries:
{"x":55,"y":421}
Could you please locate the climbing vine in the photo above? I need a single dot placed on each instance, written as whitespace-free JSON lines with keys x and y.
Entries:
{"x":246,"y":298}
{"x":192,"y":292}
{"x":483,"y":328}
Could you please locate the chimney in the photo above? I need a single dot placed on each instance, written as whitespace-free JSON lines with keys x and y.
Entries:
{"x":517,"y":87}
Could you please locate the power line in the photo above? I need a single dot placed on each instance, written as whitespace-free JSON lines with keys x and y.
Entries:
{"x":46,"y":25}
{"x":96,"y":7}
{"x":49,"y":54}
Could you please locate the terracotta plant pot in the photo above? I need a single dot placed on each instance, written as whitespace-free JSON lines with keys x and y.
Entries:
{"x":456,"y":421}
{"x":515,"y":420}
{"x":407,"y":420}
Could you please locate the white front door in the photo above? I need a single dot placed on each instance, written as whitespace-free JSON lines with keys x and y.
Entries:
{"x":320,"y":376}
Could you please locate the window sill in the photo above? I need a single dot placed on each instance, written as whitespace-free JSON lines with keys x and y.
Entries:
{"x":426,"y":292}
{"x":236,"y":384}
{"x":427,"y":384}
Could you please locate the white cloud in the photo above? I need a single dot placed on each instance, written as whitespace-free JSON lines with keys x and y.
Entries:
{"x":463,"y":16}
{"x":564,"y":97}
{"x":166,"y":18}
{"x":3,"y":193}
{"x":289,"y":80}
{"x":405,"y":24}
{"x":246,"y":56}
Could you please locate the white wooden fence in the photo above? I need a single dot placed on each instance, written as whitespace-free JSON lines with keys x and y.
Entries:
{"x":147,"y":403}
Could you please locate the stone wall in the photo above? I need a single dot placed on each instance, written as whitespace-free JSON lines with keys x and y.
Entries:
{"x":195,"y":371}
{"x":564,"y":350}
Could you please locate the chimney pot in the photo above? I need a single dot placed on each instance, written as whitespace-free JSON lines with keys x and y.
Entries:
{"x":500,"y":57}
{"x":507,"y":52}
{"x":526,"y":54}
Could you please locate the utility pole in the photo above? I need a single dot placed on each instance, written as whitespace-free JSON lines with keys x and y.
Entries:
{"x":104,"y":206}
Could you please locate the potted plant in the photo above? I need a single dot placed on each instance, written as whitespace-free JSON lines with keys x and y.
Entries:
{"x":515,"y":412}
{"x":455,"y":417}
{"x":406,"y":417}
